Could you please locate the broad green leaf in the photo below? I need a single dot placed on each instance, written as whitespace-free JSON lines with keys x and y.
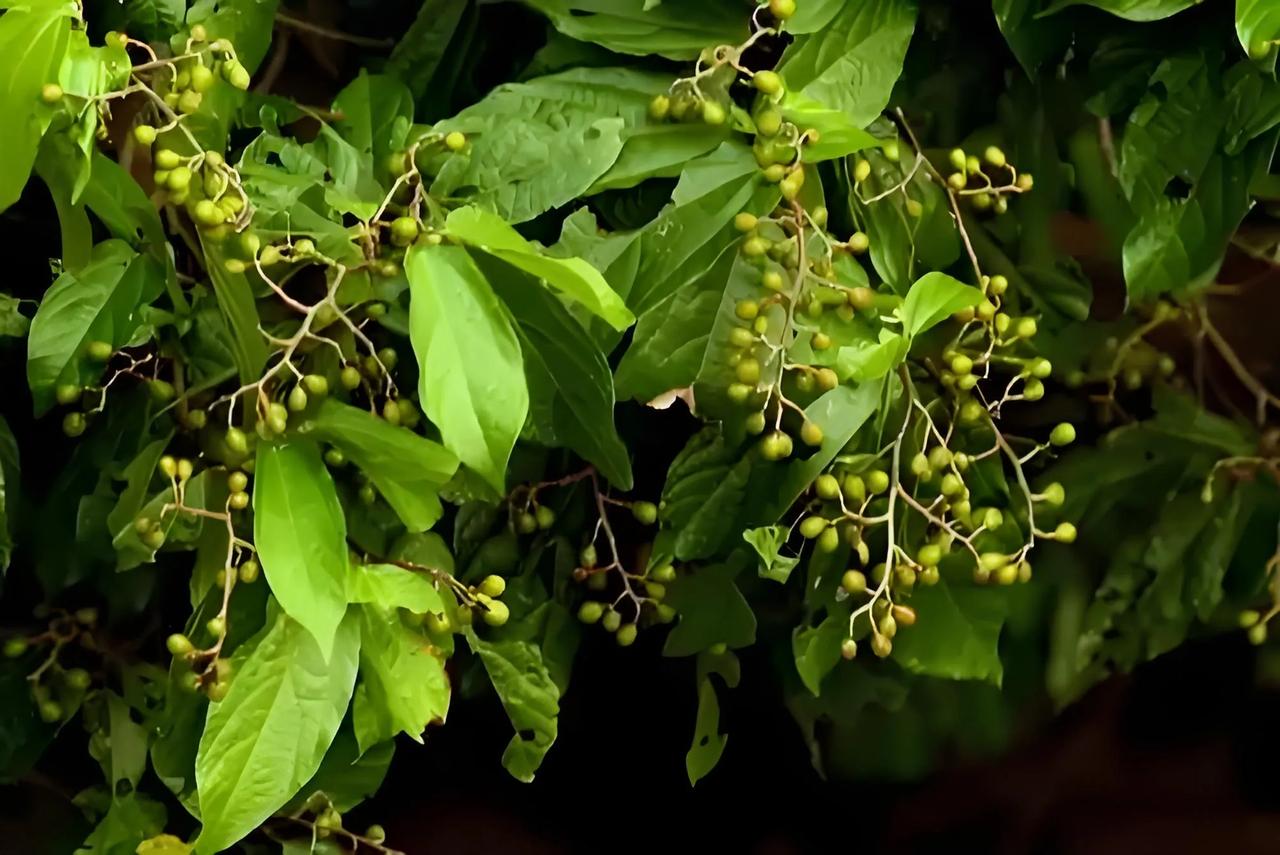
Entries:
{"x":290,"y":697}
{"x":520,"y":675}
{"x":235,"y":298}
{"x":403,"y":685}
{"x":570,"y":384}
{"x":569,"y":130}
{"x":957,"y":635}
{"x":12,"y":322}
{"x":1034,"y":40}
{"x":471,"y":379}
{"x":840,"y":413}
{"x":932,"y":299}
{"x":572,"y":277}
{"x":1171,"y":137}
{"x":347,"y":776}
{"x":712,"y":611}
{"x":247,"y":24}
{"x":672,"y":29}
{"x":1258,"y":27}
{"x":376,"y":111}
{"x":839,"y":135}
{"x":817,"y":649}
{"x":127,"y":758}
{"x":390,"y":587}
{"x":418,"y":53}
{"x":865,"y":42}
{"x":708,"y":742}
{"x":128,"y":822}
{"x":705,"y":487}
{"x":9,"y":483}
{"x":865,"y":361}
{"x":408,"y":470}
{"x":689,"y":235}
{"x":301,"y":537}
{"x":659,"y":150}
{"x":1178,"y":414}
{"x":33,"y":40}
{"x":768,"y":542}
{"x":1132,"y":10}
{"x":153,"y":20}
{"x":903,"y":246}
{"x":100,"y":303}
{"x":813,"y":15}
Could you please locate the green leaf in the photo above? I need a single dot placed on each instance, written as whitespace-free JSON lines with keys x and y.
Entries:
{"x":347,"y":776}
{"x":570,"y":384}
{"x":768,"y":542}
{"x":301,"y":537}
{"x":418,"y":53}
{"x":9,"y":484}
{"x":128,"y":822}
{"x":100,"y":303}
{"x":817,"y":649}
{"x":571,"y":129}
{"x":403,"y":686}
{"x":33,"y":40}
{"x":529,"y":694}
{"x":471,"y":379}
{"x":902,"y":245}
{"x":289,"y":696}
{"x":572,"y":277}
{"x":235,"y":299}
{"x":706,"y":485}
{"x":377,"y":111}
{"x":408,"y":470}
{"x":957,"y":635}
{"x":1258,"y":27}
{"x":712,"y":611}
{"x":932,"y":299}
{"x":839,"y":135}
{"x":674,"y":30}
{"x":390,"y":587}
{"x":1132,"y":10}
{"x":659,"y":150}
{"x":12,"y":322}
{"x":1034,"y":40}
{"x":865,"y":361}
{"x":708,"y":742}
{"x":865,"y":42}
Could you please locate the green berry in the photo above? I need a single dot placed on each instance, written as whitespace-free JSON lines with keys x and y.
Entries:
{"x":1257,"y":634}
{"x":853,"y":582}
{"x":73,"y":424}
{"x":99,"y":351}
{"x":237,"y":441}
{"x":78,"y":679}
{"x":298,"y":398}
{"x":545,"y":517}
{"x":50,"y":712}
{"x":455,"y":141}
{"x":776,"y":446}
{"x":811,"y":527}
{"x":768,"y":82}
{"x":15,"y":647}
{"x":646,"y":513}
{"x":404,"y":231}
{"x":237,"y":75}
{"x":827,"y":486}
{"x":877,"y":481}
{"x":659,"y":107}
{"x":493,"y":585}
{"x":51,"y":93}
{"x":782,"y":9}
{"x":713,"y":113}
{"x":929,"y":555}
{"x":811,"y":433}
{"x":1065,"y":533}
{"x":994,"y":156}
{"x":216,"y":627}
{"x":1063,"y":434}
{"x":626,"y":635}
{"x":611,"y":620}
{"x":590,"y":612}
{"x":249,"y":571}
{"x":350,"y":377}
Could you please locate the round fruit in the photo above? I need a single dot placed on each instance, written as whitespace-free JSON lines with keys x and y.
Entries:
{"x":404,"y":231}
{"x":455,"y":141}
{"x":776,"y":446}
{"x":848,"y":648}
{"x":858,"y":243}
{"x":626,"y":635}
{"x":646,"y":513}
{"x":811,"y":433}
{"x":590,"y":612}
{"x":50,"y":712}
{"x":73,"y":424}
{"x":877,"y":481}
{"x":611,"y":620}
{"x":51,"y":93}
{"x":99,"y":351}
{"x":1063,"y":434}
{"x":78,"y":679}
{"x":493,"y":585}
{"x":249,"y":571}
{"x":827,"y":486}
{"x":713,"y":113}
{"x":238,"y":501}
{"x":545,"y":517}
{"x":767,"y":82}
{"x":15,"y":647}
{"x":1065,"y":533}
{"x":659,"y":107}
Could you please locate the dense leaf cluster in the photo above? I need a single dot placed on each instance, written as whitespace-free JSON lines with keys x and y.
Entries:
{"x":363,"y":405}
